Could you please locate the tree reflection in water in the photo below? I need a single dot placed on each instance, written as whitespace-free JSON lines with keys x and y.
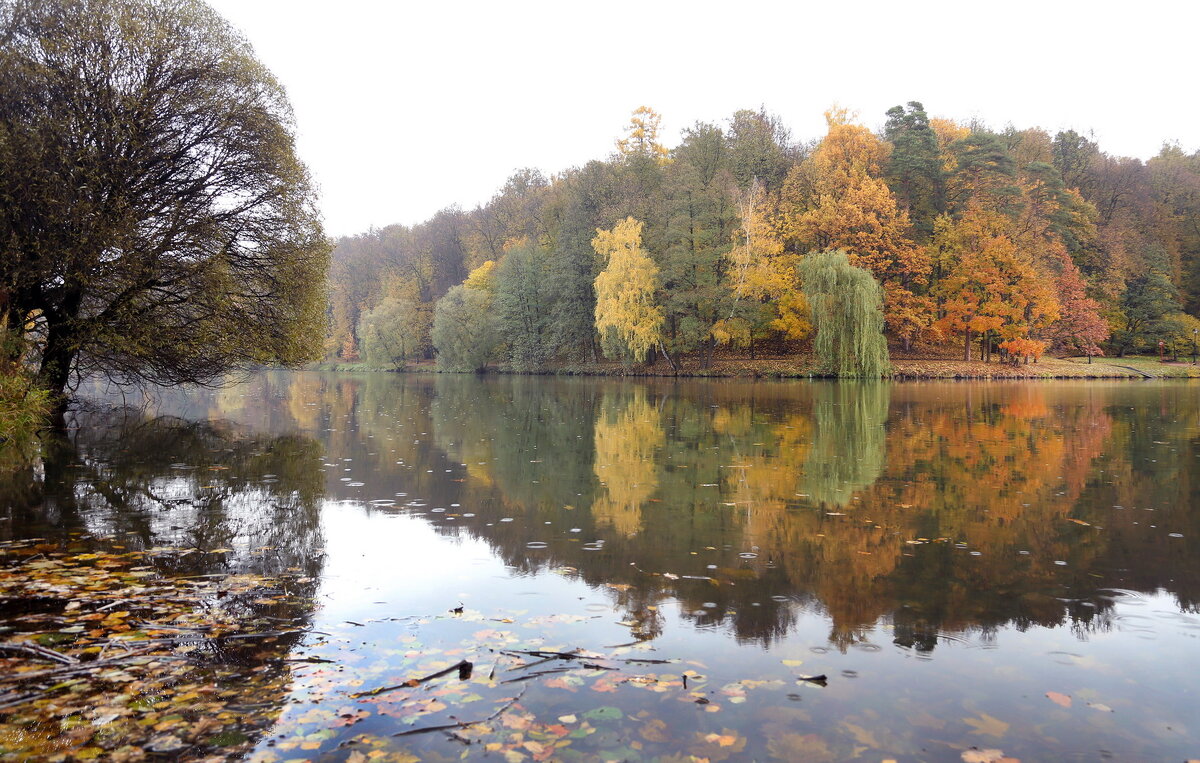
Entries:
{"x":235,"y":511}
{"x":944,"y":514}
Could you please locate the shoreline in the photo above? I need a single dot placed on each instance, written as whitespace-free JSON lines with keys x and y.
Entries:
{"x":903,"y":369}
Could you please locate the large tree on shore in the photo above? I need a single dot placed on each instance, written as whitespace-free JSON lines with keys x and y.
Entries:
{"x":847,"y":315}
{"x":155,"y":223}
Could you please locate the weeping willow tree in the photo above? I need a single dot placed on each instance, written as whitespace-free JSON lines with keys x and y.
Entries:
{"x":847,"y":315}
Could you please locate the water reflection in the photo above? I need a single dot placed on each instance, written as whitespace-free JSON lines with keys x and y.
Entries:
{"x":964,"y":510}
{"x":735,"y":519}
{"x":230,"y":515}
{"x":169,"y":482}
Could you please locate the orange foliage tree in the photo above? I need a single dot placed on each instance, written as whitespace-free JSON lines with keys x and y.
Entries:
{"x":990,"y":287}
{"x":837,"y":199}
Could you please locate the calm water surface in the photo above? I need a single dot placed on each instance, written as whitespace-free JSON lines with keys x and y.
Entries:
{"x":978,"y":569}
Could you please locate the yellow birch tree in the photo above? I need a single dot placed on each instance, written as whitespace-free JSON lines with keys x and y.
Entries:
{"x":627,"y":318}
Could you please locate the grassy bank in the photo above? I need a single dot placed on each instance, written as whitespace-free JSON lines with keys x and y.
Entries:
{"x":23,"y":411}
{"x":802,"y":366}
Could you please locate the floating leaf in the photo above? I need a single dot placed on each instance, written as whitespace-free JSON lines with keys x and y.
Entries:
{"x":1061,"y":700}
{"x":986,"y":724}
{"x":606,"y":713}
{"x":655,"y":731}
{"x":227,"y":739}
{"x":982,"y":756}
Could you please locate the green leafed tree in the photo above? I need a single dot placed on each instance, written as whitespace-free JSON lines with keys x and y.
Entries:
{"x":629,"y":322}
{"x":464,"y":330}
{"x":392,"y":333}
{"x":1150,"y":299}
{"x":701,"y":218}
{"x":914,"y":169}
{"x":523,"y":303}
{"x":847,"y":315}
{"x":156,"y":223}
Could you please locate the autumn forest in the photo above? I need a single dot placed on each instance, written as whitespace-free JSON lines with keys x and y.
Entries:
{"x":988,"y":244}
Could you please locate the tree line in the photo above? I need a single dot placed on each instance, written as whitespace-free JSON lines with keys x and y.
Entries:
{"x":988,"y":243}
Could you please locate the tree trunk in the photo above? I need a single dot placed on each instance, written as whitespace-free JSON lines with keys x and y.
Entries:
{"x":967,"y":344}
{"x":55,"y":371}
{"x":670,"y":360}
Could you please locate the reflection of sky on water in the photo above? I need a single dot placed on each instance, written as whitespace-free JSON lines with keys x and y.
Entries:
{"x":727,"y":521}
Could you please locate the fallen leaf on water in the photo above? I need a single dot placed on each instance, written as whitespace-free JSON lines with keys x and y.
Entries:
{"x":1062,"y":700}
{"x":606,"y":713}
{"x":986,"y":724}
{"x":655,"y":731}
{"x":984,"y":756}
{"x":861,"y":735}
{"x":722,"y":740}
{"x":807,"y":747}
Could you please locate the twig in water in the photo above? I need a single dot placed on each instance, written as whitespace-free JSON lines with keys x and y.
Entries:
{"x":534,"y":664}
{"x":14,"y":699}
{"x":462,"y":724}
{"x":631,"y":643}
{"x":571,"y":655}
{"x":538,"y":674}
{"x":594,"y":666}
{"x":38,"y":651}
{"x":464,"y":668}
{"x":85,"y":667}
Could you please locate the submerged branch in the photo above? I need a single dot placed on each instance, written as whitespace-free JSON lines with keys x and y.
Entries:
{"x":462,"y":724}
{"x":464,"y":668}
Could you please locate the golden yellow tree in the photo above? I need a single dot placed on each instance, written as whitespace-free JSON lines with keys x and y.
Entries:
{"x":627,"y":318}
{"x":761,"y":271}
{"x":641,"y":136}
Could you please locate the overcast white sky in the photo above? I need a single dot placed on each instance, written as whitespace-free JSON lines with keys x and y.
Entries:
{"x":408,"y":107}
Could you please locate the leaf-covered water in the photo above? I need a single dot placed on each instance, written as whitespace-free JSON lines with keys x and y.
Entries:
{"x":606,"y":570}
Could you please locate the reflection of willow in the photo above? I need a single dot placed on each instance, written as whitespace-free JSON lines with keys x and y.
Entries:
{"x":628,"y":434}
{"x":848,"y":446}
{"x":1000,"y":467}
{"x":166,"y":482}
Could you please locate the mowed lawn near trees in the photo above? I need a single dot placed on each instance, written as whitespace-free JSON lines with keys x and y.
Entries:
{"x":989,"y":245}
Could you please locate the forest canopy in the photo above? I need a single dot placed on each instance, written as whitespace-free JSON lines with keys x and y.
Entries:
{"x":986,"y":243}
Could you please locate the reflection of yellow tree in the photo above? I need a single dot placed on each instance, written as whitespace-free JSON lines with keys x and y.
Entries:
{"x":628,"y":433}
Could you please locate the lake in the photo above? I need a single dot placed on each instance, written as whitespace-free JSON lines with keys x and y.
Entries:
{"x":657,"y":570}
